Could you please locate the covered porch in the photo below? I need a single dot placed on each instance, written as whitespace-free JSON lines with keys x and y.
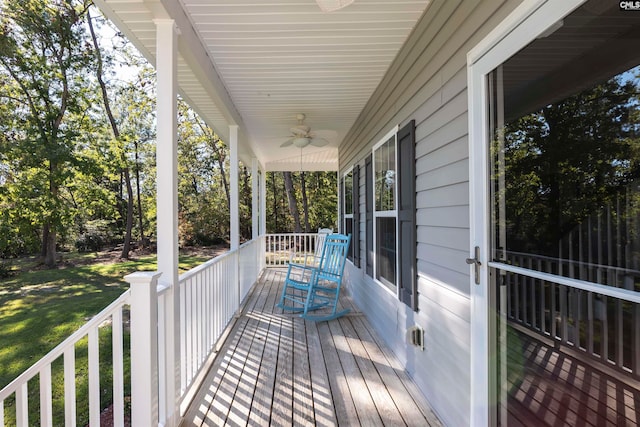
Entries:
{"x":278,"y":369}
{"x":234,"y":359}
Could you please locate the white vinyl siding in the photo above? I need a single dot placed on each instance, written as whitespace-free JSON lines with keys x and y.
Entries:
{"x":427,"y":83}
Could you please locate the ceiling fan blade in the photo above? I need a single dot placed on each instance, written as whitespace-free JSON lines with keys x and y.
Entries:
{"x":329,"y":135}
{"x":333,"y":5}
{"x":319,"y":142}
{"x":287,"y":143}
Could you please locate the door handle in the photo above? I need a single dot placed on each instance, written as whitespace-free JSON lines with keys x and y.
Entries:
{"x":475,"y":261}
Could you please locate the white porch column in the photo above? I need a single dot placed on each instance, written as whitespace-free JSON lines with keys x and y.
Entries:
{"x":256,"y":213}
{"x":167,"y":211}
{"x":263,"y":217}
{"x":263,"y":202}
{"x":235,"y":199}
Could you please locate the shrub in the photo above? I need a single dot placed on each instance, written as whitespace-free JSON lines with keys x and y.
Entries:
{"x":5,"y":270}
{"x":89,"y":242}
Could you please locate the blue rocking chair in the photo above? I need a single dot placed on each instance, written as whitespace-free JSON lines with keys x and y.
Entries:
{"x":307,"y":288}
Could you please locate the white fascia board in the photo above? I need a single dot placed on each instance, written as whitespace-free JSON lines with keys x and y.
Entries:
{"x":192,"y":50}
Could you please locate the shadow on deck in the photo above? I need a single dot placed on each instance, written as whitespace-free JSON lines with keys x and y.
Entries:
{"x":558,"y":388}
{"x":277,"y":369}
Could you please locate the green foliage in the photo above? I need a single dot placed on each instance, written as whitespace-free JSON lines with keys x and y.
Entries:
{"x":43,"y":63}
{"x":203,"y":186}
{"x":322,"y":194}
{"x":567,"y":161}
{"x":61,"y":169}
{"x":40,"y":308}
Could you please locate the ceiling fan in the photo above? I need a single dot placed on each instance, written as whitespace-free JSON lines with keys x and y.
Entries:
{"x":301,"y":135}
{"x":333,"y":5}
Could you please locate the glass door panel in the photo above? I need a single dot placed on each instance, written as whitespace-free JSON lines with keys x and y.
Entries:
{"x":565,"y":224}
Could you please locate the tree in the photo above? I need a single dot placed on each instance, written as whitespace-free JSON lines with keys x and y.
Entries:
{"x":203,"y":181}
{"x":320,"y":189}
{"x":293,"y":203}
{"x":568,"y":160}
{"x":126,"y":247}
{"x":42,"y":53}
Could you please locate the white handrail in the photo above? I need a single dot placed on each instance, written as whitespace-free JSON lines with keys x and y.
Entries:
{"x":619,"y":293}
{"x":66,"y":349}
{"x":58,"y":350}
{"x":280,"y":248}
{"x":210,"y":295}
{"x":589,"y":317}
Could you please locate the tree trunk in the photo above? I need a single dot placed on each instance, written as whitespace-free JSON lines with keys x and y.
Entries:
{"x":127,"y":235}
{"x":49,"y":238}
{"x":305,"y":202}
{"x":275,"y":201}
{"x":293,"y":205}
{"x":225,"y":183}
{"x":116,"y":133}
{"x":50,"y":246}
{"x":45,"y":238}
{"x":140,"y":223}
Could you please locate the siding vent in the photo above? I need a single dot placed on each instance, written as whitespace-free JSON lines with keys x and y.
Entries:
{"x":415,"y":336}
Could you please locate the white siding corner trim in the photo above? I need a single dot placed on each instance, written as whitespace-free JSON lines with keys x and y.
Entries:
{"x":523,"y":25}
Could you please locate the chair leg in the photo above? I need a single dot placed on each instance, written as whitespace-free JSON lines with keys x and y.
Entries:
{"x":289,"y":296}
{"x":311,"y":305}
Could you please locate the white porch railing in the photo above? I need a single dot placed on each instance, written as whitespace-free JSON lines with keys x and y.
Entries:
{"x":280,"y":248}
{"x":209,"y":296}
{"x":19,"y":388}
{"x":604,"y":328}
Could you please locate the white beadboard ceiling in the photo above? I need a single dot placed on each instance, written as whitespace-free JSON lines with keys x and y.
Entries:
{"x":258,"y":63}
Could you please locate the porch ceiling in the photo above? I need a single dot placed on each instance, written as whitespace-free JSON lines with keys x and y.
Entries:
{"x":258,"y":64}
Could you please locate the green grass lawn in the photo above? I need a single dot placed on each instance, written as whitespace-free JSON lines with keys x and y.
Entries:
{"x":40,"y":308}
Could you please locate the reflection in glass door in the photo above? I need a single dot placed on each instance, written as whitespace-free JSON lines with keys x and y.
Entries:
{"x":565,"y":225}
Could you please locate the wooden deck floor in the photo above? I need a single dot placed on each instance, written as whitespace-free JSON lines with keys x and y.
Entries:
{"x":277,"y":369}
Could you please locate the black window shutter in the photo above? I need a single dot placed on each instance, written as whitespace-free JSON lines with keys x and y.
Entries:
{"x":407,"y":215}
{"x":355,"y":238}
{"x":368,"y":197}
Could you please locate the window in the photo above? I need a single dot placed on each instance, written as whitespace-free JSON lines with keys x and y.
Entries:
{"x":390,"y":224}
{"x":384,"y":213}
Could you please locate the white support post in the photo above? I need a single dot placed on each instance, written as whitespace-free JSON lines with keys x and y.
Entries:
{"x":235,"y":199}
{"x":263,"y":202}
{"x":234,"y":211}
{"x":263,"y":219}
{"x":167,"y":211}
{"x":144,"y":348}
{"x":255,"y":199}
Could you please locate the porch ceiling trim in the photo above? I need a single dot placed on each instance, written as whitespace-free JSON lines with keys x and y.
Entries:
{"x":257,"y":65}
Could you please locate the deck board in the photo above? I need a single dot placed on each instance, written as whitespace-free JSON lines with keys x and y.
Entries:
{"x":278,"y":369}
{"x":261,"y":405}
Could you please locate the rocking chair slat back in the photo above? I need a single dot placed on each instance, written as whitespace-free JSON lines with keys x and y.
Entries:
{"x":320,"y":285}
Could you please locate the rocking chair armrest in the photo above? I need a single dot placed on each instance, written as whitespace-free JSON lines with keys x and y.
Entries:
{"x":312,"y":260}
{"x":310,"y":268}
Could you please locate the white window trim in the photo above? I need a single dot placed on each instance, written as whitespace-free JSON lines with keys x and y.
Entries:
{"x":380,"y":214}
{"x":345,"y":215}
{"x":344,"y":191}
{"x":523,"y":25}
